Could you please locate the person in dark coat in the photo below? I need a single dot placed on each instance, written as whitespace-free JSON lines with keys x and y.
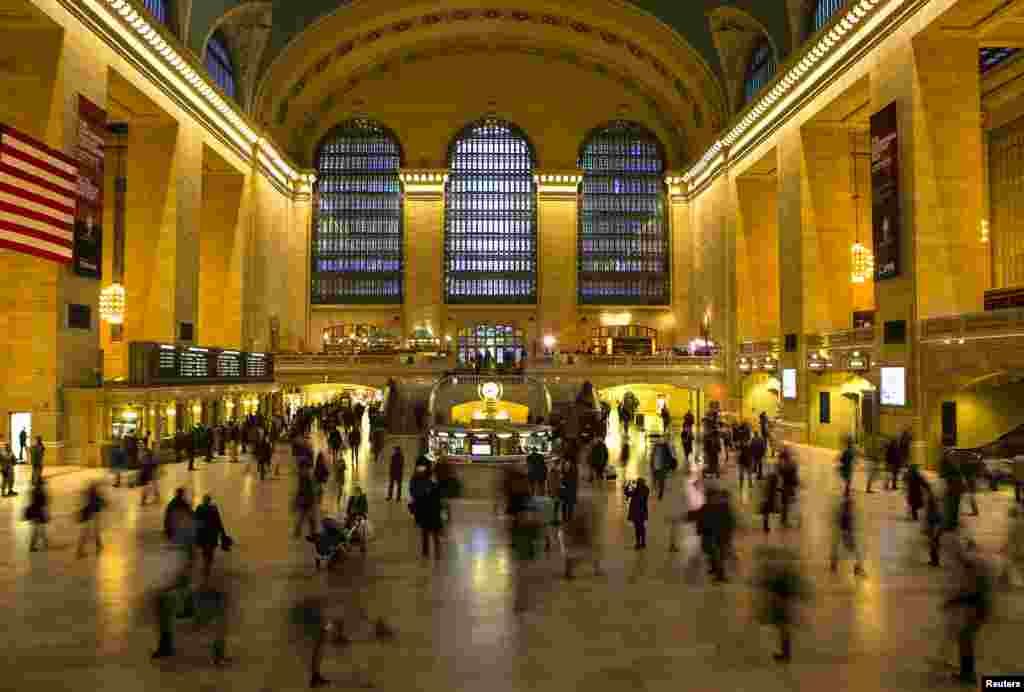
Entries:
{"x":782,"y":586}
{"x":746,"y":465}
{"x":569,"y":489}
{"x":598,"y":460}
{"x":90,"y":519}
{"x":426,"y":509}
{"x":769,"y":498}
{"x":712,"y":452}
{"x":893,"y":462}
{"x":915,"y":490}
{"x":716,"y":524}
{"x":177,"y":516}
{"x":687,"y":440}
{"x":209,"y":531}
{"x":396,"y":471}
{"x":846,"y":461}
{"x":355,"y":438}
{"x":952,"y":474}
{"x":638,"y":496}
{"x":933,"y":524}
{"x":758,"y":450}
{"x":789,"y":481}
{"x":38,"y":513}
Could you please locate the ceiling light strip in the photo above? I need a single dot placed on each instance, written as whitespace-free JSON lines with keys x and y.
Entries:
{"x":838,"y":41}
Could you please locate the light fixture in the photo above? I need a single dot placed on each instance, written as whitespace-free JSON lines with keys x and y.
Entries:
{"x":862,"y":261}
{"x":130,"y":415}
{"x":550,"y":341}
{"x":112,"y":304}
{"x":171,"y":411}
{"x":984,"y":231}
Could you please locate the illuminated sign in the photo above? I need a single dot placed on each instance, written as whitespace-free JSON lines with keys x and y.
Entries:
{"x":894,"y":387}
{"x":789,"y":383}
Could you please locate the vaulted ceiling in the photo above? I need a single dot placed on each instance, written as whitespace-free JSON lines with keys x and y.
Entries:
{"x":300,"y":62}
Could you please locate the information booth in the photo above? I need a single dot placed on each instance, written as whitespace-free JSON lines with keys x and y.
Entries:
{"x":489,"y":443}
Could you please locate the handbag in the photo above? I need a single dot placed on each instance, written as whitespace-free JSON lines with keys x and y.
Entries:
{"x":226,"y":542}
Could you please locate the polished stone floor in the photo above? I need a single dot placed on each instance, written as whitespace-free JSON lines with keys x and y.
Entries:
{"x":84,"y":624}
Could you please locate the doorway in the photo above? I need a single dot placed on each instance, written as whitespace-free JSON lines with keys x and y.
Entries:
{"x":20,"y":422}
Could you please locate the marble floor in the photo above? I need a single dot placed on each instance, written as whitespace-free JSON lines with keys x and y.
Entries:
{"x":87,"y":624}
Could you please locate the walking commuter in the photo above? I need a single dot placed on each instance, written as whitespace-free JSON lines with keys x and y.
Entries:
{"x":38,"y":514}
{"x":321,"y":474}
{"x":264,"y":457}
{"x":661,"y":466}
{"x":210,"y":533}
{"x":846,"y":463}
{"x":687,"y":441}
{"x":90,"y":519}
{"x":37,"y":452}
{"x":148,"y":477}
{"x":894,"y":463}
{"x":716,"y":524}
{"x":845,"y":535}
{"x":951,"y":473}
{"x":536,"y":472}
{"x":355,"y":438}
{"x":598,"y":460}
{"x":758,"y":450}
{"x":933,"y":524}
{"x":970,"y":607}
{"x":22,"y":444}
{"x":712,"y":453}
{"x":427,"y":509}
{"x":745,"y":466}
{"x":972,"y":469}
{"x":178,"y":518}
{"x":7,"y":462}
{"x":569,"y":489}
{"x":782,"y":586}
{"x":581,"y":541}
{"x":789,"y":484}
{"x":769,"y":498}
{"x":916,"y":485}
{"x":305,"y":502}
{"x":638,"y":500}
{"x":340,"y":467}
{"x":396,"y":471}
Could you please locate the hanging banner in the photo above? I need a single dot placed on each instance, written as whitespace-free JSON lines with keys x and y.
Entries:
{"x":885,"y":192}
{"x":92,"y":128}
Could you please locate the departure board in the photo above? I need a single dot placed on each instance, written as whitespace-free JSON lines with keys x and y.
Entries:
{"x":194,"y":363}
{"x":229,"y":365}
{"x":154,"y":364}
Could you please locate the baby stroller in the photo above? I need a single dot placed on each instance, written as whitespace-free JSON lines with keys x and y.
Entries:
{"x":338,"y":537}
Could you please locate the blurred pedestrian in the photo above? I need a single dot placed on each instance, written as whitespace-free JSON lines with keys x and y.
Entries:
{"x":782,"y":587}
{"x":569,"y":489}
{"x":38,"y":514}
{"x":598,"y":460}
{"x":7,"y":463}
{"x":716,"y":524}
{"x":970,"y":606}
{"x":845,"y":535}
{"x":305,"y":504}
{"x":758,"y":450}
{"x":396,"y":471}
{"x":581,"y":542}
{"x":638,"y":495}
{"x":90,"y":519}
{"x":789,"y":477}
{"x":915,"y":484}
{"x":149,"y":477}
{"x":769,"y":498}
{"x":36,"y":453}
{"x":178,"y":518}
{"x":210,"y":533}
{"x":846,"y":463}
{"x":426,"y":509}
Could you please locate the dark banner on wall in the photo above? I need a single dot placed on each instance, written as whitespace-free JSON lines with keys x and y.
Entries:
{"x":885,"y":192}
{"x":92,"y":127}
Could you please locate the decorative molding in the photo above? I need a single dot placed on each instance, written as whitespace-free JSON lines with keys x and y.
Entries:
{"x":161,"y":58}
{"x":847,"y":32}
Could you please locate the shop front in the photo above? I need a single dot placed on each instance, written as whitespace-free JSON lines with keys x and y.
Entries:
{"x":490,"y":443}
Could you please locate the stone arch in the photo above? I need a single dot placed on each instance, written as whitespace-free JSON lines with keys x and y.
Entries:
{"x":736,"y":34}
{"x":245,"y":29}
{"x":334,"y":50}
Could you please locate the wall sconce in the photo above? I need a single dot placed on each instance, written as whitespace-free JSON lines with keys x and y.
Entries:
{"x":197,"y":409}
{"x":171,"y":411}
{"x":112,"y":304}
{"x":550,"y":341}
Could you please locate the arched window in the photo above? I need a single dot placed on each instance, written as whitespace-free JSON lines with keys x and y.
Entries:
{"x":490,"y":234}
{"x":159,"y":10}
{"x":623,"y":235}
{"x":989,"y":58}
{"x":219,"y":64}
{"x":823,"y":11}
{"x":357,"y":236}
{"x":760,"y":70}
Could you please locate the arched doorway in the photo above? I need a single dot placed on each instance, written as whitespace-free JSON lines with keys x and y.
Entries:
{"x":503,"y":343}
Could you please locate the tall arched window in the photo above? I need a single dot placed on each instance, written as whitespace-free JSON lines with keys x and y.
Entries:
{"x":490,"y":234}
{"x":823,"y":11}
{"x":159,"y":10}
{"x":760,"y":69}
{"x":623,"y":243}
{"x":357,"y":238}
{"x":219,"y":64}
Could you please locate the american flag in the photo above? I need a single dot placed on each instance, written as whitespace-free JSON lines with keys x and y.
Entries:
{"x":38,"y":197}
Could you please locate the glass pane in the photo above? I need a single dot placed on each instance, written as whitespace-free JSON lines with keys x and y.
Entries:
{"x":358,"y":253}
{"x":622,"y":243}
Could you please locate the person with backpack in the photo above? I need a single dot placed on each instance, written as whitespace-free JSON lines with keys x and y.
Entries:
{"x":90,"y":519}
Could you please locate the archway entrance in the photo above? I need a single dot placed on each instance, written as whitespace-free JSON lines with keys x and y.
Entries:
{"x":630,"y":339}
{"x":503,"y":344}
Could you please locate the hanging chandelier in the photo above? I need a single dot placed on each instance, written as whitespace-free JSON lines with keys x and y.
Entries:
{"x":862,"y":260}
{"x":112,"y":304}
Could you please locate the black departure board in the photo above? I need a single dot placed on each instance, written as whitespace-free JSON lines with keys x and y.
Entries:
{"x":229,"y":365}
{"x":154,"y":364}
{"x":257,"y":366}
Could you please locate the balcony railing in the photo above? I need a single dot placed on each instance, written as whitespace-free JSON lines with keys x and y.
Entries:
{"x":863,"y":337}
{"x":998,"y":324}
